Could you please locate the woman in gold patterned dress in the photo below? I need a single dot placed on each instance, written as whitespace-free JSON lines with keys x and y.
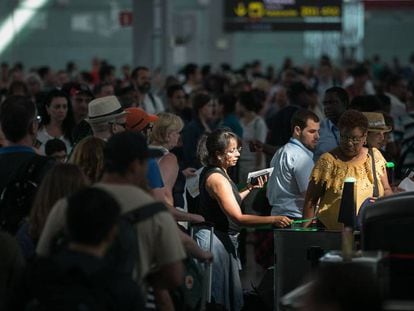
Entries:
{"x":350,"y":159}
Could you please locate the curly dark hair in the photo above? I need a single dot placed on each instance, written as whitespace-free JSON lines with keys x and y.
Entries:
{"x":351,"y":119}
{"x":214,"y":144}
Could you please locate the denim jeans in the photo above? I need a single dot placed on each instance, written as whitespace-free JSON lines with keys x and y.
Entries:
{"x":226,"y":286}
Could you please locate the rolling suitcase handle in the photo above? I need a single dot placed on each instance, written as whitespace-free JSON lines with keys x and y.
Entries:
{"x":205,"y":224}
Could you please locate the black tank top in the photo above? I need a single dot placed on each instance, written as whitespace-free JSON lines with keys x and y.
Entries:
{"x":210,"y":209}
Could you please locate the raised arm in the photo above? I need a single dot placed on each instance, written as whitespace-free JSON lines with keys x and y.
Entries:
{"x":249,"y":187}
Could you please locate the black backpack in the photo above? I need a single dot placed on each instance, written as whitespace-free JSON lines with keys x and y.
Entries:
{"x":17,"y":196}
{"x":123,"y":253}
{"x":189,"y":295}
{"x":78,"y":291}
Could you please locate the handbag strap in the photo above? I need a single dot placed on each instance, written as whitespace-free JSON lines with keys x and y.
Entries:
{"x":375,"y":193}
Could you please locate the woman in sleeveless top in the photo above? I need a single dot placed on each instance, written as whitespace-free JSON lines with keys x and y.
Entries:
{"x":220,"y":204}
{"x":164,"y":136}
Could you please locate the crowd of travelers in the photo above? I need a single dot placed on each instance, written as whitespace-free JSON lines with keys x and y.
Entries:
{"x":103,"y":172}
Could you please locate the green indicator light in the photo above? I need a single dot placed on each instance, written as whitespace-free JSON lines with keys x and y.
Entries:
{"x":305,"y":229}
{"x":301,"y":221}
{"x":390,"y":165}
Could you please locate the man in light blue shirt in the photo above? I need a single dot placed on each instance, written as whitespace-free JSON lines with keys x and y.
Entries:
{"x":293,"y":164}
{"x":335,"y":102}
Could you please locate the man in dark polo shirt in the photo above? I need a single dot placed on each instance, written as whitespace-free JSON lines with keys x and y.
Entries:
{"x":19,"y":124}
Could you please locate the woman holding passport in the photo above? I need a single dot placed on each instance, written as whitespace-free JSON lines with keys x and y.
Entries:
{"x":220,"y":204}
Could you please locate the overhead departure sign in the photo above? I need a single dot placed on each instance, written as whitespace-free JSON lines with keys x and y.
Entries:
{"x":273,"y":15}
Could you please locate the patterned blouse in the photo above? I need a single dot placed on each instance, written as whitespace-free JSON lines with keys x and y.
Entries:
{"x":330,"y":173}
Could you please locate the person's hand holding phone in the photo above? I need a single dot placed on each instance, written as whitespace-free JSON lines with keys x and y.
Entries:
{"x":257,"y":182}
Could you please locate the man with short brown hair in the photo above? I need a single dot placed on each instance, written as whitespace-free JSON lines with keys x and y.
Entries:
{"x":293,"y":165}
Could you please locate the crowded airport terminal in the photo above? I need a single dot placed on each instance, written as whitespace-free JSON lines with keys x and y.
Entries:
{"x":225,"y":155}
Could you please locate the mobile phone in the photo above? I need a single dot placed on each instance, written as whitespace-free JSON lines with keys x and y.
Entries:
{"x":255,"y":180}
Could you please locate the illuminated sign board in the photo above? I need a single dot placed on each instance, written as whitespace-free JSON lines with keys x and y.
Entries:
{"x":273,"y":15}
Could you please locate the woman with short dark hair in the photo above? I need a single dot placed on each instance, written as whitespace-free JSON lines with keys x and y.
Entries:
{"x":350,"y":159}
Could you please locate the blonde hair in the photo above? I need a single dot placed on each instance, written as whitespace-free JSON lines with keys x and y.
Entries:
{"x":89,"y":156}
{"x":166,"y":123}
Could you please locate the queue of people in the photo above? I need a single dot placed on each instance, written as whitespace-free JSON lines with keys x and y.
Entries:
{"x":131,"y":148}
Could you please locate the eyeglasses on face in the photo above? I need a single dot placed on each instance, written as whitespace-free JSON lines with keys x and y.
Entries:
{"x":353,"y":139}
{"x":234,"y":150}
